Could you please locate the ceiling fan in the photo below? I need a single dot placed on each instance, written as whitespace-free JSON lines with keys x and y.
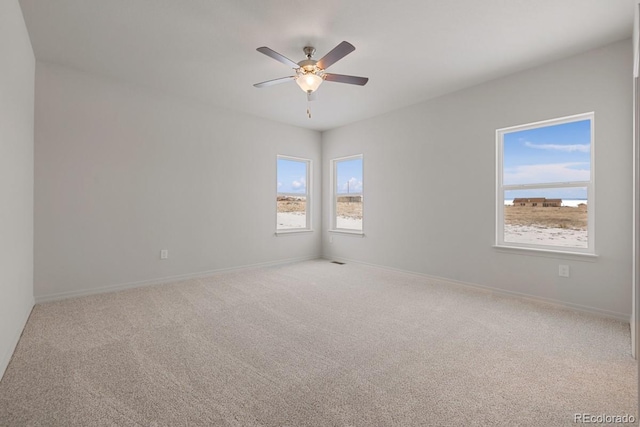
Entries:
{"x":311,"y":73}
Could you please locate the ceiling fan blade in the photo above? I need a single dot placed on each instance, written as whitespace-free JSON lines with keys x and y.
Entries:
{"x":338,"y":52}
{"x":274,"y":81}
{"x":341,"y":78}
{"x":275,"y":55}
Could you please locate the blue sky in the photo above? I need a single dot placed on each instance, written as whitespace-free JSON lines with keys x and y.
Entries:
{"x":559,"y":153}
{"x":292,"y":176}
{"x":349,"y":176}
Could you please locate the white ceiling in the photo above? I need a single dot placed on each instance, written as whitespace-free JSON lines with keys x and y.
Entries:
{"x":411,"y":50}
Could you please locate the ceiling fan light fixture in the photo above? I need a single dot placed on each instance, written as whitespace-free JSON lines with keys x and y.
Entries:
{"x":309,"y":82}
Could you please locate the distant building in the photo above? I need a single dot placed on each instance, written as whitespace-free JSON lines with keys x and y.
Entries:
{"x":538,"y":201}
{"x":555,"y":203}
{"x":350,"y":199}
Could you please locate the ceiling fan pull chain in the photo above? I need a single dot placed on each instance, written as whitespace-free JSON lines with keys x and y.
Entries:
{"x":308,"y":106}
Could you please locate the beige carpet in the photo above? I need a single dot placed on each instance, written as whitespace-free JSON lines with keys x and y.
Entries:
{"x":314,"y":344}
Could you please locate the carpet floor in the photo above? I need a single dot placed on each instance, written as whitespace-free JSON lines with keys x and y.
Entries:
{"x":314,"y":344}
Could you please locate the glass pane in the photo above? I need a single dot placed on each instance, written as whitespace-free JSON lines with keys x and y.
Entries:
{"x":349,"y":194}
{"x":291,"y":194}
{"x":349,"y":177}
{"x":551,"y":216}
{"x":349,"y":212}
{"x":292,"y":212}
{"x":292,"y":176}
{"x":557,"y":153}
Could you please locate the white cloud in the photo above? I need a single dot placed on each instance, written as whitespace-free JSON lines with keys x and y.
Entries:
{"x":299,"y":184}
{"x":556,"y":172}
{"x":279,"y":184}
{"x":351,"y":186}
{"x":583,"y":148}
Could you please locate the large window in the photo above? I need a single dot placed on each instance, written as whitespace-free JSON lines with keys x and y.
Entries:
{"x":347,"y":194}
{"x":292,"y":199}
{"x":545,"y":197}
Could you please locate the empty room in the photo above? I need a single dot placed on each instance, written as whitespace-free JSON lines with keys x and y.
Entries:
{"x":294,"y":213}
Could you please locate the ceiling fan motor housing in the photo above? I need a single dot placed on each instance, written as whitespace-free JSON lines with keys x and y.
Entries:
{"x":309,"y":65}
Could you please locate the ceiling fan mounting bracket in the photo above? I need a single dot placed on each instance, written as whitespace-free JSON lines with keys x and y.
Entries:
{"x":309,"y":51}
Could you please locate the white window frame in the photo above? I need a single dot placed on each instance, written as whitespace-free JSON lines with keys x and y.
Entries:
{"x":307,"y":194}
{"x":334,"y":195}
{"x":590,"y":186}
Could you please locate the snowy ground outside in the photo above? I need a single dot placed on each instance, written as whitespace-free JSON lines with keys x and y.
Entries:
{"x":512,"y":233}
{"x":349,"y":223}
{"x":288,"y":220}
{"x":545,"y":236}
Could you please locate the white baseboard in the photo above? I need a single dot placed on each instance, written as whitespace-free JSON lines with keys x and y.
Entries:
{"x":497,"y":291}
{"x":168,"y":279}
{"x":6,"y":357}
{"x":162,"y":280}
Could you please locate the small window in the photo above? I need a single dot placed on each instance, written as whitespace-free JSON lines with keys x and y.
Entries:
{"x":347,"y":194}
{"x":545,"y":185}
{"x":292,"y":194}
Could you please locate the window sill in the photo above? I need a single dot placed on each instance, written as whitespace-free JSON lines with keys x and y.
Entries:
{"x":548,"y":253}
{"x":348,"y":232}
{"x":290,"y":232}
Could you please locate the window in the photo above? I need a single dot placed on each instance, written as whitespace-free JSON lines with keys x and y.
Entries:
{"x":292,"y":197}
{"x":545,"y":197}
{"x":347,"y":194}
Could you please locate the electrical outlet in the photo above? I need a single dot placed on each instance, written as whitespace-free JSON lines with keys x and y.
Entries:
{"x":164,"y":254}
{"x":563,"y":270}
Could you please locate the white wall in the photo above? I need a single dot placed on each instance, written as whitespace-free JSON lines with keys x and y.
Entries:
{"x":16,"y":177}
{"x":122,"y":173}
{"x":430,"y":182}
